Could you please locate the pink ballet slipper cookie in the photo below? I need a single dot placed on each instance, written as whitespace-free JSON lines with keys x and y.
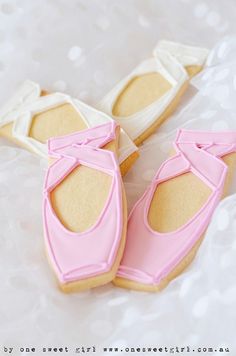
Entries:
{"x":84,"y":208}
{"x":167,"y":224}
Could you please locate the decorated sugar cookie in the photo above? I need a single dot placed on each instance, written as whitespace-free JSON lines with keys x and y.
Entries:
{"x":142,"y":100}
{"x":167,"y":224}
{"x":31,"y":118}
{"x":84,"y":208}
{"x":149,"y":94}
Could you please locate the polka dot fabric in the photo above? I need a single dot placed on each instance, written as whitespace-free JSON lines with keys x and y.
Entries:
{"x":83,"y":48}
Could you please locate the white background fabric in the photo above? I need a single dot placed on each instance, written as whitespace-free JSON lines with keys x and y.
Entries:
{"x":84,"y":48}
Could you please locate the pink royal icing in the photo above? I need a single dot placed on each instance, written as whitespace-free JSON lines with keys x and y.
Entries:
{"x":150,"y":255}
{"x":74,"y":255}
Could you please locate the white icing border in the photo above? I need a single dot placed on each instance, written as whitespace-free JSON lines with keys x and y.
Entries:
{"x":186,"y":55}
{"x":27,"y":102}
{"x":26,"y":94}
{"x":139,"y":122}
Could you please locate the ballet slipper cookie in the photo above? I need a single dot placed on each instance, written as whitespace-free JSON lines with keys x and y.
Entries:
{"x":84,"y":208}
{"x":167,"y":224}
{"x":147,"y":96}
{"x":192,"y":58}
{"x":32,"y":116}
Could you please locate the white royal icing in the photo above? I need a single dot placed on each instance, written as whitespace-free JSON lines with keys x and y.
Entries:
{"x":186,"y":55}
{"x":139,"y":122}
{"x":27,"y":93}
{"x":27,"y":102}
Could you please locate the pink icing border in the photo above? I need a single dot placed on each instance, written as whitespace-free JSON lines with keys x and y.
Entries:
{"x":77,"y":256}
{"x":165,"y":250}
